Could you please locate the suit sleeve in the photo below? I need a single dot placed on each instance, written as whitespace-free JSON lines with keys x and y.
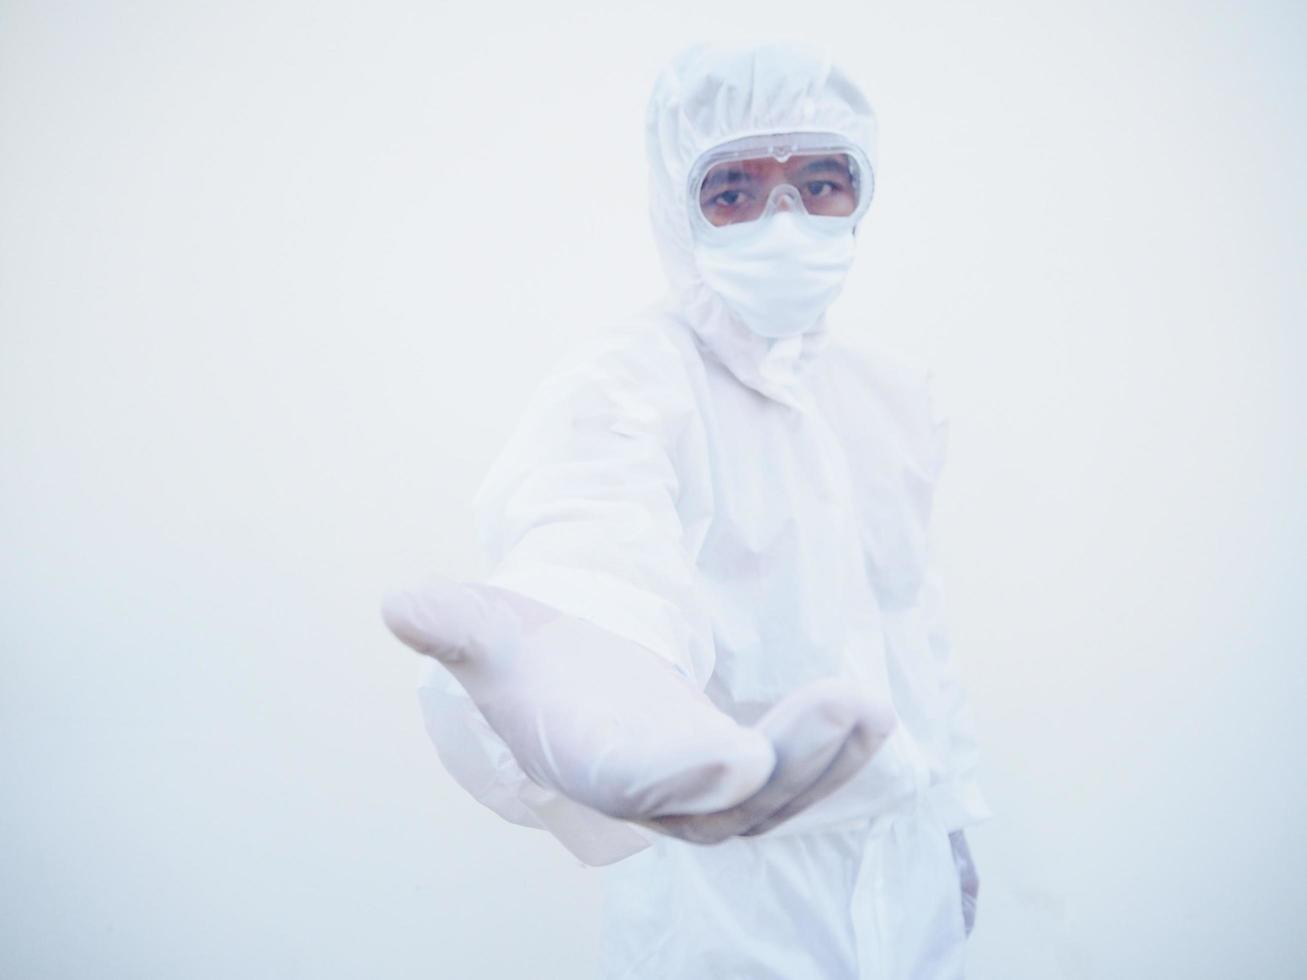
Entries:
{"x":598,"y":503}
{"x":583,"y":510}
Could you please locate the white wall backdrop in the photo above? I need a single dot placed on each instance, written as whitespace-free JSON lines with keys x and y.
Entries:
{"x":275,"y":279}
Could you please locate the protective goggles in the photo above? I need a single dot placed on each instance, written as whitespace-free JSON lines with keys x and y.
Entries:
{"x":822,"y":176}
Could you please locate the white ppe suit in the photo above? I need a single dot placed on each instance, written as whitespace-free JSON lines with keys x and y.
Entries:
{"x":755,"y":510}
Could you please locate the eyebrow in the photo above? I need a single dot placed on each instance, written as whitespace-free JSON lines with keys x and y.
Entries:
{"x":825,"y":165}
{"x":737,"y":176}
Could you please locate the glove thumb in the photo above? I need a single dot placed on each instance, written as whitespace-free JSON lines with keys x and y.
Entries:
{"x":461,"y":626}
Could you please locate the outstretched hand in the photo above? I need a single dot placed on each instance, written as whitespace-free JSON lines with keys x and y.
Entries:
{"x":611,"y":725}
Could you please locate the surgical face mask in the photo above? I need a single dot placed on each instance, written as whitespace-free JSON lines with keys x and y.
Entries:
{"x":780,"y":275}
{"x":772,"y":218}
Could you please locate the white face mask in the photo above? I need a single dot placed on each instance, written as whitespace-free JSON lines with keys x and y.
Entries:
{"x":779,"y":274}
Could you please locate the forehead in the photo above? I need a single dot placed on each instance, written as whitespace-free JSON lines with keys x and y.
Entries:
{"x":769,"y":168}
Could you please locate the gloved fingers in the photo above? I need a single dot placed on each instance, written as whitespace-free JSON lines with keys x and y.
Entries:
{"x":867,"y":725}
{"x":623,"y":720}
{"x":857,"y":750}
{"x":601,"y":752}
{"x":453,"y":622}
{"x":822,"y":734}
{"x":808,"y":729}
{"x":646,"y":779}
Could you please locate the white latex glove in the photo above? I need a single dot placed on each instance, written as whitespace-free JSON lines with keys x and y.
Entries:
{"x":967,"y":876}
{"x":822,"y":734}
{"x":615,"y":727}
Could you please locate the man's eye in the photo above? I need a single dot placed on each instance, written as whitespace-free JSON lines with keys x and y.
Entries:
{"x":818,"y":188}
{"x":728,"y":199}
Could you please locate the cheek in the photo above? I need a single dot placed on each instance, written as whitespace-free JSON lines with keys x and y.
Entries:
{"x":833,"y":203}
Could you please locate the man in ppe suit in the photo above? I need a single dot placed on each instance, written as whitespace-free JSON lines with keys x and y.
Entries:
{"x":710,"y":652}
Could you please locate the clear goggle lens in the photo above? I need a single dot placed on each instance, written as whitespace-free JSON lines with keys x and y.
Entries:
{"x":750,"y":179}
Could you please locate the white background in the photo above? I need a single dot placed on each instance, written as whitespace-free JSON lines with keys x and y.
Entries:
{"x":275,"y":279}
